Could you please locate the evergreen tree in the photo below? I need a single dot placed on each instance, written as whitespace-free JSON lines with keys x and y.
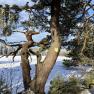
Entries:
{"x":59,"y":18}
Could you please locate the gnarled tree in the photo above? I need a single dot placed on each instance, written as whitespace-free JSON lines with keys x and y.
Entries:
{"x":63,"y":14}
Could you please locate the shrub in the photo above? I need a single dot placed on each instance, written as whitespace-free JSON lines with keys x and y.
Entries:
{"x":59,"y":86}
{"x":66,"y":63}
{"x":88,"y":80}
{"x":4,"y":87}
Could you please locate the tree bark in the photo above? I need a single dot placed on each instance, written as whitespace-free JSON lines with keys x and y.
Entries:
{"x":44,"y":69}
{"x":25,"y":66}
{"x":24,"y":59}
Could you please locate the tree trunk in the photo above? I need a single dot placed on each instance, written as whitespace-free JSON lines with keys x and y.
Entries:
{"x":25,"y":66}
{"x":44,"y":69}
{"x":24,"y":59}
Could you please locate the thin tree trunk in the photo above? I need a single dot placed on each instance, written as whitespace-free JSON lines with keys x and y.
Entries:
{"x":25,"y":67}
{"x":24,"y":59}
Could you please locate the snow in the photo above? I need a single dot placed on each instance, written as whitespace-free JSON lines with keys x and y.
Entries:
{"x":6,"y":62}
{"x":11,"y":71}
{"x":86,"y":91}
{"x":18,"y":2}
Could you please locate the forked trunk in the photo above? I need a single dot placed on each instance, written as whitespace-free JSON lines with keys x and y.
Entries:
{"x":24,"y":59}
{"x":44,"y":69}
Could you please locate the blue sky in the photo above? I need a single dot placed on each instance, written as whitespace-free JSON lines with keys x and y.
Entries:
{"x":25,"y":16}
{"x":91,"y":11}
{"x":18,"y":2}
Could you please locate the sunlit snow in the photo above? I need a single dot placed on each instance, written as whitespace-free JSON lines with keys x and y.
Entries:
{"x":11,"y":71}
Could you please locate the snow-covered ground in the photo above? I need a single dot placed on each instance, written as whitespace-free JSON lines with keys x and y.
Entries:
{"x":11,"y":71}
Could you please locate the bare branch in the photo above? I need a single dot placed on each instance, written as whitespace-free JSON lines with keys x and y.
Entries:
{"x":3,"y":41}
{"x":34,"y":53}
{"x":37,"y":54}
{"x":14,"y":53}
